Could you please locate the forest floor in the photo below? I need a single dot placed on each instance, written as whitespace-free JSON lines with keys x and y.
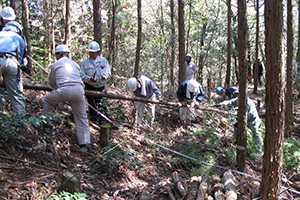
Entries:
{"x":32,"y":161}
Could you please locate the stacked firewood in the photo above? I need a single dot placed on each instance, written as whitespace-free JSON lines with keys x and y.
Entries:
{"x":203,"y":188}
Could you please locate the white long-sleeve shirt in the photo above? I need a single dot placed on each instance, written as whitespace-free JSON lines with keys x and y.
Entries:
{"x":98,"y":67}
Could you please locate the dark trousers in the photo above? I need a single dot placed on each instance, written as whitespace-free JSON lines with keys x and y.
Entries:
{"x":95,"y":101}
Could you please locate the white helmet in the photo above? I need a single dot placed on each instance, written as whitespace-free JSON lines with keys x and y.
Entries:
{"x":192,"y":85}
{"x":62,"y":48}
{"x":132,"y":83}
{"x":8,"y":13}
{"x":93,"y":47}
{"x":188,"y":55}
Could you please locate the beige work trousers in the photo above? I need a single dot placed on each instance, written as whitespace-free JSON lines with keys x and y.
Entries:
{"x":74,"y":94}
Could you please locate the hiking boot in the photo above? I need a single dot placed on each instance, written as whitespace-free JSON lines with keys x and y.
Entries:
{"x":85,"y":147}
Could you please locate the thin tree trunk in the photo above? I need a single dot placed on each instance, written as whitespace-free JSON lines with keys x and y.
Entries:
{"x":139,"y":39}
{"x":298,"y":46}
{"x":111,"y":57}
{"x":256,"y":47}
{"x":97,"y":23}
{"x":242,"y":114}
{"x":274,"y":133}
{"x":13,"y":4}
{"x":289,"y":87}
{"x":181,"y":40}
{"x":67,"y":23}
{"x":227,"y":81}
{"x":172,"y":44}
{"x":26,"y":30}
{"x":189,"y":26}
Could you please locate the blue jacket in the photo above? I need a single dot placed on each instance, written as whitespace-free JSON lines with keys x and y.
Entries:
{"x":230,"y":92}
{"x":9,"y":41}
{"x":181,"y":92}
{"x":150,"y":88}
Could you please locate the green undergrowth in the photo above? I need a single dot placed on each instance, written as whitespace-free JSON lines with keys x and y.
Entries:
{"x":291,"y":155}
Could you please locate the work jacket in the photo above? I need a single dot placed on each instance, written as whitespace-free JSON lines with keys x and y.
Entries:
{"x":182,"y":92}
{"x":9,"y":42}
{"x":147,"y":89}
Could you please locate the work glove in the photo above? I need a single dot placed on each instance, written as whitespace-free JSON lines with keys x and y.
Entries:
{"x":216,"y":105}
{"x":160,"y":100}
{"x":93,"y":79}
{"x":103,"y":77}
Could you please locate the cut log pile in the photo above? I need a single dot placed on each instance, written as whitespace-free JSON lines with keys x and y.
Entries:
{"x":203,"y":188}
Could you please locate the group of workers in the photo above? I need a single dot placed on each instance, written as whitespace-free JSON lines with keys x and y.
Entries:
{"x":68,"y":81}
{"x":190,"y":95}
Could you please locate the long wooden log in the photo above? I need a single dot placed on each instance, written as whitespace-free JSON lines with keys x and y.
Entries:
{"x":229,"y":184}
{"x":201,"y":194}
{"x":31,"y":86}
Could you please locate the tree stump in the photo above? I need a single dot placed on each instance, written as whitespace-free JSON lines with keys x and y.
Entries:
{"x":72,"y":185}
{"x":104,"y":134}
{"x":230,"y":190}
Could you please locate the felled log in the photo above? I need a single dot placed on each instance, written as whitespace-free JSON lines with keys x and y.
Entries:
{"x":32,"y":86}
{"x":170,"y":192}
{"x":70,"y":183}
{"x":178,"y":185}
{"x":104,"y":134}
{"x":202,"y":187}
{"x":229,"y":185}
{"x":192,"y":191}
{"x":217,"y":188}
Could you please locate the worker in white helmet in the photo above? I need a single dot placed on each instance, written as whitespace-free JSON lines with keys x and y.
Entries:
{"x":68,"y":86}
{"x":8,"y":17}
{"x":190,"y":69}
{"x":95,"y":71}
{"x":190,"y":95}
{"x":144,"y":88}
{"x":12,"y":51}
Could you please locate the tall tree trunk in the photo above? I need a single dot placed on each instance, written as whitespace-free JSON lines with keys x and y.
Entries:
{"x":256,"y":47}
{"x":25,"y":18}
{"x":274,"y":133}
{"x":189,"y":27}
{"x":298,"y":46}
{"x":172,"y":44}
{"x":227,"y":80}
{"x":13,"y":4}
{"x":181,"y":41}
{"x":289,"y":87}
{"x":243,"y":72}
{"x":162,"y":67}
{"x":67,"y":23}
{"x":111,"y":56}
{"x":139,"y":39}
{"x":97,"y":23}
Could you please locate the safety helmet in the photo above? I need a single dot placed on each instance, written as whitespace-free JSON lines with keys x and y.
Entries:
{"x":188,"y":55}
{"x":8,"y":13}
{"x":132,"y":83}
{"x":192,"y":85}
{"x":62,"y":48}
{"x":219,"y":91}
{"x":93,"y":47}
